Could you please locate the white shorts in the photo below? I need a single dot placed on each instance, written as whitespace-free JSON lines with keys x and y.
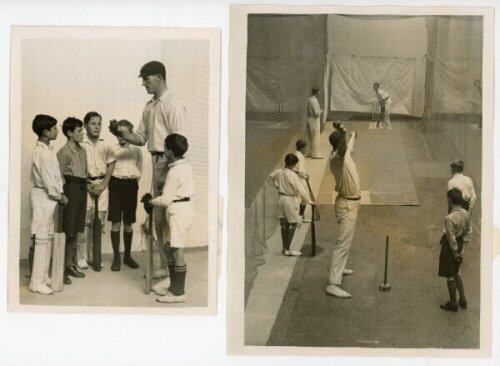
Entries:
{"x":289,"y":208}
{"x":42,"y":213}
{"x":180,"y":217}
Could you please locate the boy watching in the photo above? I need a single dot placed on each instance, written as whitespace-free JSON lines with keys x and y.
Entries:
{"x":457,"y":234}
{"x":100,"y":162}
{"x":291,"y":191}
{"x":176,"y":198}
{"x":73,"y":164}
{"x":123,"y":188}
{"x":46,"y":193}
{"x":463,"y":183}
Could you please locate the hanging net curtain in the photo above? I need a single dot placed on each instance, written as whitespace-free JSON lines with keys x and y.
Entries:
{"x":285,"y":59}
{"x":389,"y":50}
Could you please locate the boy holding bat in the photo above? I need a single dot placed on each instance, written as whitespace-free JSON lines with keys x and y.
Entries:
{"x":46,"y":193}
{"x":176,"y":198}
{"x":73,"y":164}
{"x":100,"y":162}
{"x":291,"y":191}
{"x":123,"y":188}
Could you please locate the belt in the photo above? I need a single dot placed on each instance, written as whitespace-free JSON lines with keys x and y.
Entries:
{"x":124,"y":180}
{"x":288,"y":195}
{"x":157,"y":153}
{"x":96,"y":178}
{"x":185,"y":199}
{"x":351,"y":198}
{"x":73,"y":179}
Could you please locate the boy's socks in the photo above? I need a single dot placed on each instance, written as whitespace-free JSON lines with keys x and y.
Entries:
{"x":127,"y":240}
{"x":284,"y":233}
{"x":171,"y":268}
{"x":462,"y":301}
{"x":452,"y":290}
{"x":115,"y":242}
{"x":291,"y":233}
{"x":177,"y":283}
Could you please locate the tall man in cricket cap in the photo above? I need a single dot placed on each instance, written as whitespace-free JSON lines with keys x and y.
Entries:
{"x":163,"y":115}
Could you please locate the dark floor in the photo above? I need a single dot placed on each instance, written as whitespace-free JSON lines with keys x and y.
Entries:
{"x":409,"y":315}
{"x":121,"y":289}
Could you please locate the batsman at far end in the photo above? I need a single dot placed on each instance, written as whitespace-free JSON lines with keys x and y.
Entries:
{"x":347,"y":203}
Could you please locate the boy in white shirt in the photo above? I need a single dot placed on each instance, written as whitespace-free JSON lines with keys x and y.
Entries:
{"x":100,"y":165}
{"x":385,"y":107}
{"x":46,"y":193}
{"x":463,"y":183}
{"x":176,"y":198}
{"x":290,"y":191}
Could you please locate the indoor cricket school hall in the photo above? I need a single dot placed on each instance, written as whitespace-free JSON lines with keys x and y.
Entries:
{"x":431,"y":66}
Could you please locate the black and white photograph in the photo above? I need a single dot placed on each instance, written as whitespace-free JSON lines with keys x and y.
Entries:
{"x":114,"y":170}
{"x":363,"y":203}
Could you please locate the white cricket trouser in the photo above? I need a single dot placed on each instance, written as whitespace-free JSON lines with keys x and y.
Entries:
{"x":313,"y":135}
{"x":387,"y":115}
{"x":42,"y":227}
{"x":347,"y":213}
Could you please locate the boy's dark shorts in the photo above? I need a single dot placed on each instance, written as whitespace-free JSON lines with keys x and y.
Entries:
{"x":122,"y":200}
{"x":448,"y":267}
{"x":75,"y":189}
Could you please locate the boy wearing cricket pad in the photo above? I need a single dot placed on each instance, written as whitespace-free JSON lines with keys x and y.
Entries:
{"x":123,"y":188}
{"x":291,"y":192}
{"x":73,"y":164}
{"x":176,"y":198}
{"x":100,"y":163}
{"x":457,"y":234}
{"x":46,"y":193}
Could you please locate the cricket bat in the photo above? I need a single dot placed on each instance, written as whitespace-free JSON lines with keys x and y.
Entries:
{"x":58,"y":249}
{"x":149,"y":258}
{"x":96,"y":250}
{"x":315,"y":211}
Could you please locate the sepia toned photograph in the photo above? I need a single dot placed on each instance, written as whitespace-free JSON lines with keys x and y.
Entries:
{"x":361,"y":218}
{"x":114,"y":170}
